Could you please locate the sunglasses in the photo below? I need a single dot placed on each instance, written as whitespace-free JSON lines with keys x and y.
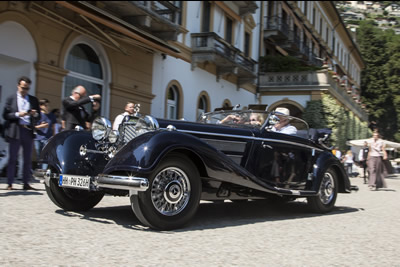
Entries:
{"x":25,"y":88}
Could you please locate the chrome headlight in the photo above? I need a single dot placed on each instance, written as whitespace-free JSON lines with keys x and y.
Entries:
{"x":101,"y":127}
{"x":113,"y":136}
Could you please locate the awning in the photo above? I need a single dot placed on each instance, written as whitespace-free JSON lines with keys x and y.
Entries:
{"x":125,"y":29}
{"x":360,"y":143}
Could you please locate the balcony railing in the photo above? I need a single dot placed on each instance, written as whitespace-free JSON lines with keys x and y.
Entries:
{"x":276,"y":27}
{"x":276,"y":23}
{"x":160,"y":18}
{"x":310,"y":80}
{"x":166,"y":9}
{"x":314,"y":60}
{"x":210,"y":47}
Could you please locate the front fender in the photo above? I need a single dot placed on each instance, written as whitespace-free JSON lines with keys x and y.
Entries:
{"x":328,"y":160}
{"x":143,"y":153}
{"x":62,"y":154}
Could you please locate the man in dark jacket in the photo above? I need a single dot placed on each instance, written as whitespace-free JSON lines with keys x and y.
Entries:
{"x":21,"y":113}
{"x":74,"y":111}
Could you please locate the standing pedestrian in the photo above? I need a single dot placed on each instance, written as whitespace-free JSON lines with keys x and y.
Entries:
{"x":58,"y":124}
{"x":348,"y":163}
{"x":376,"y":155}
{"x":45,"y":108}
{"x":21,"y":112}
{"x":74,"y":112}
{"x":42,"y":128}
{"x":362,"y":158}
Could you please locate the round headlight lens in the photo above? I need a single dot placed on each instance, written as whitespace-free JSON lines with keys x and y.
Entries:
{"x":100,"y":128}
{"x":113,"y":136}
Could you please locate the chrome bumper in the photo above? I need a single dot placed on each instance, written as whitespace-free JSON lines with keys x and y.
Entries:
{"x":130,"y":183}
{"x":122,"y":182}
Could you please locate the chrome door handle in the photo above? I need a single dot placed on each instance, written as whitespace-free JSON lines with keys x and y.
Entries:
{"x":266,"y":146}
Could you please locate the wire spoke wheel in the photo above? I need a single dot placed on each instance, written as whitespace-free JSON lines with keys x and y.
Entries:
{"x":173,"y":196}
{"x":327,"y":189}
{"x":170,"y":191}
{"x":325,"y":200}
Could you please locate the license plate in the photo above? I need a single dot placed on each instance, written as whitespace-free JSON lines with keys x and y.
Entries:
{"x":74,"y":181}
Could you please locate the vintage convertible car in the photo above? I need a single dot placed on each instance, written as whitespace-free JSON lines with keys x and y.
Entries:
{"x":167,"y":166}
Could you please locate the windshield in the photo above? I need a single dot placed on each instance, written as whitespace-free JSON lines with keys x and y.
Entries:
{"x":247,"y":118}
{"x":277,"y":122}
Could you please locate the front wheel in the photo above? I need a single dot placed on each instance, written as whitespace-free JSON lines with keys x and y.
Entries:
{"x":327,"y":193}
{"x":72,"y":199}
{"x":173,"y":195}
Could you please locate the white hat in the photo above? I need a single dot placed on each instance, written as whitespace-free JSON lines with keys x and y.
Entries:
{"x":284,"y":111}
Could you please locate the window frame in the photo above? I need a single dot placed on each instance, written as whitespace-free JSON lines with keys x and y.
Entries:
{"x":179,"y":102}
{"x":227,"y":17}
{"x":203,"y":95}
{"x":84,"y":77}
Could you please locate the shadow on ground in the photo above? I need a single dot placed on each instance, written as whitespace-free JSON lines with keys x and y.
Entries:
{"x":212,"y":215}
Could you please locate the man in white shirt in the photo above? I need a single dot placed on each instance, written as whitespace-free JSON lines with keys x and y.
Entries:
{"x":129,"y":110}
{"x":283,"y":125}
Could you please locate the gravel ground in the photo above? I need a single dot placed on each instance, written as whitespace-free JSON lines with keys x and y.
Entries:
{"x":363,"y":230}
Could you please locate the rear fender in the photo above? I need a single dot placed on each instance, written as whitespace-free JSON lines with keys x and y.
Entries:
{"x":328,"y":160}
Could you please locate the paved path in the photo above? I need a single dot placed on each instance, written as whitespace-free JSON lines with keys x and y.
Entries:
{"x":364,"y":230}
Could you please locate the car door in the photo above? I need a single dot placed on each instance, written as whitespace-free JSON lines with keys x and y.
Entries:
{"x":282,"y":160}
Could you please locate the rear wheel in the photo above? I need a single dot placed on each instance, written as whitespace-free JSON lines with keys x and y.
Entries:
{"x":327,"y":193}
{"x":72,"y":199}
{"x":173,"y":195}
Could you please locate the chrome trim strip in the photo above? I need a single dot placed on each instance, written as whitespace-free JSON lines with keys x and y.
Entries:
{"x":225,"y":145}
{"x":122,"y":182}
{"x":214,"y":140}
{"x":250,"y":137}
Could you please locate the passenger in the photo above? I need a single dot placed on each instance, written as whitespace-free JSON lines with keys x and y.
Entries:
{"x":256,"y":119}
{"x":283,"y":126}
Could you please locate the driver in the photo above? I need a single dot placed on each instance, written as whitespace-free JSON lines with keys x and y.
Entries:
{"x":283,"y":126}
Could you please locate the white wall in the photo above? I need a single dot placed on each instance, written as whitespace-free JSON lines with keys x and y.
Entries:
{"x":192,"y":82}
{"x":17,"y":56}
{"x":198,"y":80}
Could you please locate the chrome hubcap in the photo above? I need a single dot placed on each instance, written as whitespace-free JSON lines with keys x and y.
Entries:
{"x":170,"y":191}
{"x":327,"y":189}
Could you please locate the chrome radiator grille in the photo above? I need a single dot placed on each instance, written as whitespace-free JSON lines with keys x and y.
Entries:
{"x":129,"y":131}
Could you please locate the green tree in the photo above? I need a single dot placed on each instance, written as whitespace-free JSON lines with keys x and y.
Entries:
{"x":327,"y":113}
{"x":392,"y":72}
{"x":375,"y":91}
{"x":313,"y":114}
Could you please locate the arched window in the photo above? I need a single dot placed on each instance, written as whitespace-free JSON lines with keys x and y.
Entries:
{"x":203,"y":104}
{"x":84,"y":69}
{"x":226,"y":105}
{"x":172,"y":102}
